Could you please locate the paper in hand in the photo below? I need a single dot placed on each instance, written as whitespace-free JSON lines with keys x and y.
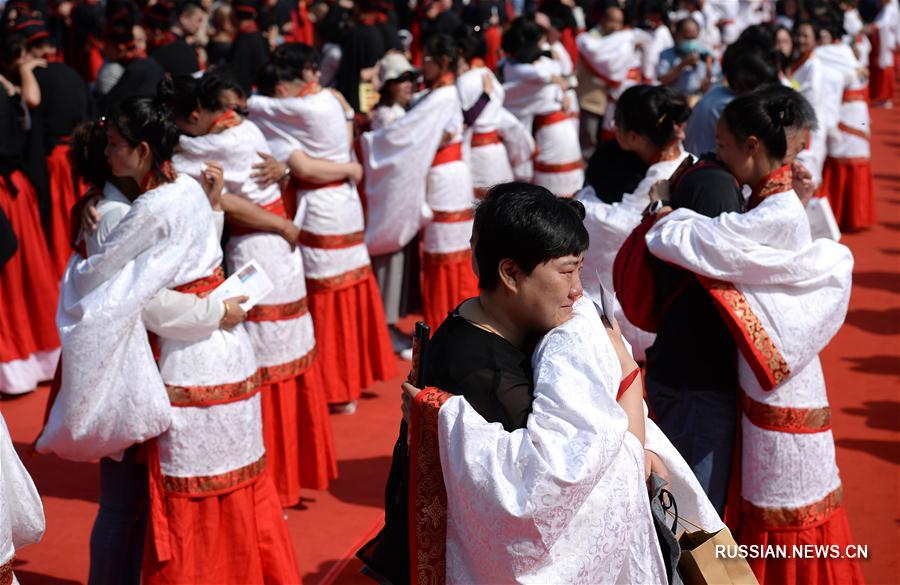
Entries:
{"x":250,"y":281}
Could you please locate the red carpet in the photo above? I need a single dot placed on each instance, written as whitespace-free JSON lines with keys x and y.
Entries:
{"x":862,"y":367}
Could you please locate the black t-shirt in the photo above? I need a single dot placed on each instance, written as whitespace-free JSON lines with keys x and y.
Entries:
{"x":694,"y":347}
{"x":612,"y":171}
{"x":495,"y":377}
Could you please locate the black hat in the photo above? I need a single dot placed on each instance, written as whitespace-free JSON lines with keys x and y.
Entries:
{"x":246,"y":8}
{"x":32,"y":27}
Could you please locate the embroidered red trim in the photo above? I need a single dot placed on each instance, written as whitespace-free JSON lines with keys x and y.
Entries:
{"x":543,"y":167}
{"x":331,"y":242}
{"x":543,"y":120}
{"x":855,"y":95}
{"x":853,"y":131}
{"x":292,"y":369}
{"x":778,"y":181}
{"x":331,"y":283}
{"x":447,"y":154}
{"x":803,"y":517}
{"x":215,"y":394}
{"x":203,"y":286}
{"x":228,"y":119}
{"x":276,"y":207}
{"x":427,"y":494}
{"x":209,"y":485}
{"x":766,"y":361}
{"x":453,"y":216}
{"x":281,"y":312}
{"x":485,"y":138}
{"x":785,"y":419}
{"x":6,"y":572}
{"x":431,"y":259}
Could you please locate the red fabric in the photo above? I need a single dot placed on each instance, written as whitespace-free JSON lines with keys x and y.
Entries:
{"x":29,"y":286}
{"x":493,"y":36}
{"x":445,"y":285}
{"x":804,"y":571}
{"x":568,"y":41}
{"x":302,"y":31}
{"x":239,"y":537}
{"x":626,"y":383}
{"x":850,"y":189}
{"x":62,"y":197}
{"x":447,"y":154}
{"x":415,"y":47}
{"x":297,"y":433}
{"x":352,"y":339}
{"x":881,"y":80}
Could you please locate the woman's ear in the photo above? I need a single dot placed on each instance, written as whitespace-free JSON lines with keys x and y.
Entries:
{"x":145,"y":153}
{"x":752,"y":145}
{"x":508,"y":273}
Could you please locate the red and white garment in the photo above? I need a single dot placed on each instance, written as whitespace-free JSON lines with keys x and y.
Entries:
{"x":807,"y":75}
{"x":483,"y":147}
{"x":533,"y":97}
{"x":505,"y":492}
{"x":847,"y":175}
{"x":281,"y":328}
{"x":346,"y":307}
{"x":885,"y":42}
{"x":29,"y":343}
{"x":617,"y":61}
{"x":783,"y":296}
{"x":447,"y":277}
{"x":726,"y":16}
{"x":63,"y":195}
{"x":21,"y":511}
{"x":608,"y":226}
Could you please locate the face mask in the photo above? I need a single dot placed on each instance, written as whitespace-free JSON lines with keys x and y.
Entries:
{"x":691,"y":46}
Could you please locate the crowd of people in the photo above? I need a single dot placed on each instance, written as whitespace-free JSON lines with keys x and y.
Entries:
{"x":602,"y":208}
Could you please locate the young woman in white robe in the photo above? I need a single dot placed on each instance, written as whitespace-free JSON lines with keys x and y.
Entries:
{"x":297,"y":114}
{"x":536,"y":94}
{"x":806,"y":75}
{"x":297,"y":431}
{"x":21,"y":510}
{"x":201,"y":402}
{"x":847,"y":176}
{"x":784,"y":296}
{"x":650,"y":122}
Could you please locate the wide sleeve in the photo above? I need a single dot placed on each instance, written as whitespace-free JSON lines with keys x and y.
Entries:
{"x":185,"y":317}
{"x":21,"y":511}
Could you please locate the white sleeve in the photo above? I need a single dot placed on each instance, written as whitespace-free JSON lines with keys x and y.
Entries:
{"x":108,"y":221}
{"x":185,"y":317}
{"x":219,"y":220}
{"x":283,"y":109}
{"x":21,"y":511}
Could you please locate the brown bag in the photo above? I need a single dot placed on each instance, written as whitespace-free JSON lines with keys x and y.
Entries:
{"x":699,"y":564}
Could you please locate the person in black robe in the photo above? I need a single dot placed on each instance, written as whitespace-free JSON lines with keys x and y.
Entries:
{"x":483,"y":349}
{"x":250,"y":50}
{"x":85,"y":38}
{"x":166,"y":42}
{"x":371,"y":35}
{"x":613,"y":171}
{"x":141,"y":76}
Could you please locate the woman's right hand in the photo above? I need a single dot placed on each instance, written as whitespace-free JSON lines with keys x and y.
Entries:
{"x":269,"y":171}
{"x":90,"y":217}
{"x":290,"y":232}
{"x":407,"y":397}
{"x":234,"y":313}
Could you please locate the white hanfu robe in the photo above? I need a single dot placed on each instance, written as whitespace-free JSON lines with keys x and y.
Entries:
{"x":608,"y":226}
{"x":562,"y":500}
{"x":808,"y":77}
{"x":784,"y":296}
{"x":537,"y":101}
{"x":21,"y":510}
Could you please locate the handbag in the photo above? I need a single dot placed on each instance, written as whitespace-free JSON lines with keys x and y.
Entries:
{"x":700,"y":564}
{"x":661,"y":501}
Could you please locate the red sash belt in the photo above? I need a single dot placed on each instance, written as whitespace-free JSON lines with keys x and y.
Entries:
{"x":543,"y":167}
{"x":334,"y":242}
{"x":485,"y":139}
{"x":786,"y":419}
{"x":310,"y":186}
{"x":543,"y":120}
{"x":276,"y":207}
{"x":447,"y":154}
{"x":203,"y":286}
{"x":789,"y":517}
{"x":854,"y":131}
{"x":453,"y":216}
{"x":855,"y":95}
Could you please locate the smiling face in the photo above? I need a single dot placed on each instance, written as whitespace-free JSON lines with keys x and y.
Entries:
{"x":545,"y":297}
{"x":806,"y":38}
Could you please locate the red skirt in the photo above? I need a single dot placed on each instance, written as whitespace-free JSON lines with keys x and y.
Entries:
{"x":834,"y":530}
{"x":239,"y":537}
{"x":881,"y":84}
{"x":447,"y":280}
{"x":351,"y":338}
{"x":297,"y":433}
{"x":62,"y":197}
{"x":29,"y":286}
{"x":850,"y":190}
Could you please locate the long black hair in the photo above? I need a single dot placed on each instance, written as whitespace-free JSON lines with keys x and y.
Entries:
{"x":185,"y":93}
{"x":87,"y":153}
{"x":769,"y":114}
{"x":652,"y":111}
{"x":522,"y":39}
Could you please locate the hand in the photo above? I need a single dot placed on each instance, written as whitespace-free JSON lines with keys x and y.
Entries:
{"x":566,"y":103}
{"x":8,"y":86}
{"x":290,"y":232}
{"x":90,"y":217}
{"x":653,"y":464}
{"x":660,"y":191}
{"x":213,"y":184}
{"x":31,"y":63}
{"x":802,"y":182}
{"x":269,"y":171}
{"x":690,"y":60}
{"x":407,"y":397}
{"x":487,"y":83}
{"x":234,"y":313}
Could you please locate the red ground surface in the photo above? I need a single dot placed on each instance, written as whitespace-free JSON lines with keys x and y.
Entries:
{"x":862,"y":367}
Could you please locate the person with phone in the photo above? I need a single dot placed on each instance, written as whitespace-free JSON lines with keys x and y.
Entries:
{"x":688,"y":67}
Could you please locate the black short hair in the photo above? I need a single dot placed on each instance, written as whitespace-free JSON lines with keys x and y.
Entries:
{"x":186,"y":93}
{"x":527,"y":224}
{"x":521,"y":41}
{"x":141,"y":119}
{"x":747,"y":66}
{"x":88,"y":154}
{"x":653,"y":111}
{"x":768,"y":113}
